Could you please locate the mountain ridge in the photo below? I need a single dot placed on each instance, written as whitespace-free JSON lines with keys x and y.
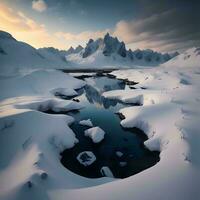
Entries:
{"x":111,"y":47}
{"x":102,"y":53}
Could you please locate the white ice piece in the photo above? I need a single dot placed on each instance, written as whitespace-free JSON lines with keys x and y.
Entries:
{"x":95,"y":133}
{"x":105,"y":171}
{"x":87,"y":122}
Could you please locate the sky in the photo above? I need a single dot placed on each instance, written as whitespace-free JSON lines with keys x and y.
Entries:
{"x":161,"y":25}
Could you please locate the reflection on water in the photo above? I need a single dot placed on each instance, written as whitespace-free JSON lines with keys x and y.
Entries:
{"x":91,"y":96}
{"x":102,"y":111}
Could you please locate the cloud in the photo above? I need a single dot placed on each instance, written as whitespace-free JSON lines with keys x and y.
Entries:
{"x":39,"y":5}
{"x":26,"y":29}
{"x":16,"y":20}
{"x":162,"y":26}
{"x":83,"y":36}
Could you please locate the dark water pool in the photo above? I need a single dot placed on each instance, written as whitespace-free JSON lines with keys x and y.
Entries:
{"x":102,"y":113}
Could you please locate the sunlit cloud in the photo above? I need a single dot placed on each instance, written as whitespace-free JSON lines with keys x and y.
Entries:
{"x":26,"y":29}
{"x":83,"y":36}
{"x":39,"y":5}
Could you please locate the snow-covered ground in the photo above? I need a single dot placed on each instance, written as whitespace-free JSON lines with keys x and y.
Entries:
{"x":31,"y":140}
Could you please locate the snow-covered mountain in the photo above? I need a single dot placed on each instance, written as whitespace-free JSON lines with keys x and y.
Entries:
{"x":107,"y":52}
{"x":74,"y":50}
{"x":53,"y":55}
{"x":189,"y":58}
{"x":16,"y":55}
{"x":110,"y":51}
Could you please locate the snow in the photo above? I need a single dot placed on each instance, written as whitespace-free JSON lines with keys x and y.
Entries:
{"x":38,"y":82}
{"x":95,"y":133}
{"x":17,"y":56}
{"x":86,"y":158}
{"x":44,"y":104}
{"x":189,"y":58}
{"x":78,"y":74}
{"x":87,"y":122}
{"x":105,"y":171}
{"x":169,"y":116}
{"x":74,"y":50}
{"x":68,"y":92}
{"x":31,"y":141}
{"x":107,"y":52}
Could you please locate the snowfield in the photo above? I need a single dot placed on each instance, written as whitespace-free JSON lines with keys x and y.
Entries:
{"x":31,"y":140}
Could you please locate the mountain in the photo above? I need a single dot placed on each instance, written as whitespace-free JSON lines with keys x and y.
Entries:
{"x":16,"y":55}
{"x":72,"y":50}
{"x":189,"y":58}
{"x":53,"y":55}
{"x":104,"y":52}
{"x":110,"y":51}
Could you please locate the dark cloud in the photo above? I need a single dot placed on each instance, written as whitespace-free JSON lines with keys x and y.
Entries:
{"x":163,"y":25}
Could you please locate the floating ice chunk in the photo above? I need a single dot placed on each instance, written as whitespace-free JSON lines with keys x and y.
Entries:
{"x":87,"y":122}
{"x":95,"y":133}
{"x":105,"y":171}
{"x":122,"y":164}
{"x":86,"y":158}
{"x":119,"y":153}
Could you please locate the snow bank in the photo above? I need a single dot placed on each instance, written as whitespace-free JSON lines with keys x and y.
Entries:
{"x":95,"y":133}
{"x":40,"y":82}
{"x":68,"y":92}
{"x":45,"y":104}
